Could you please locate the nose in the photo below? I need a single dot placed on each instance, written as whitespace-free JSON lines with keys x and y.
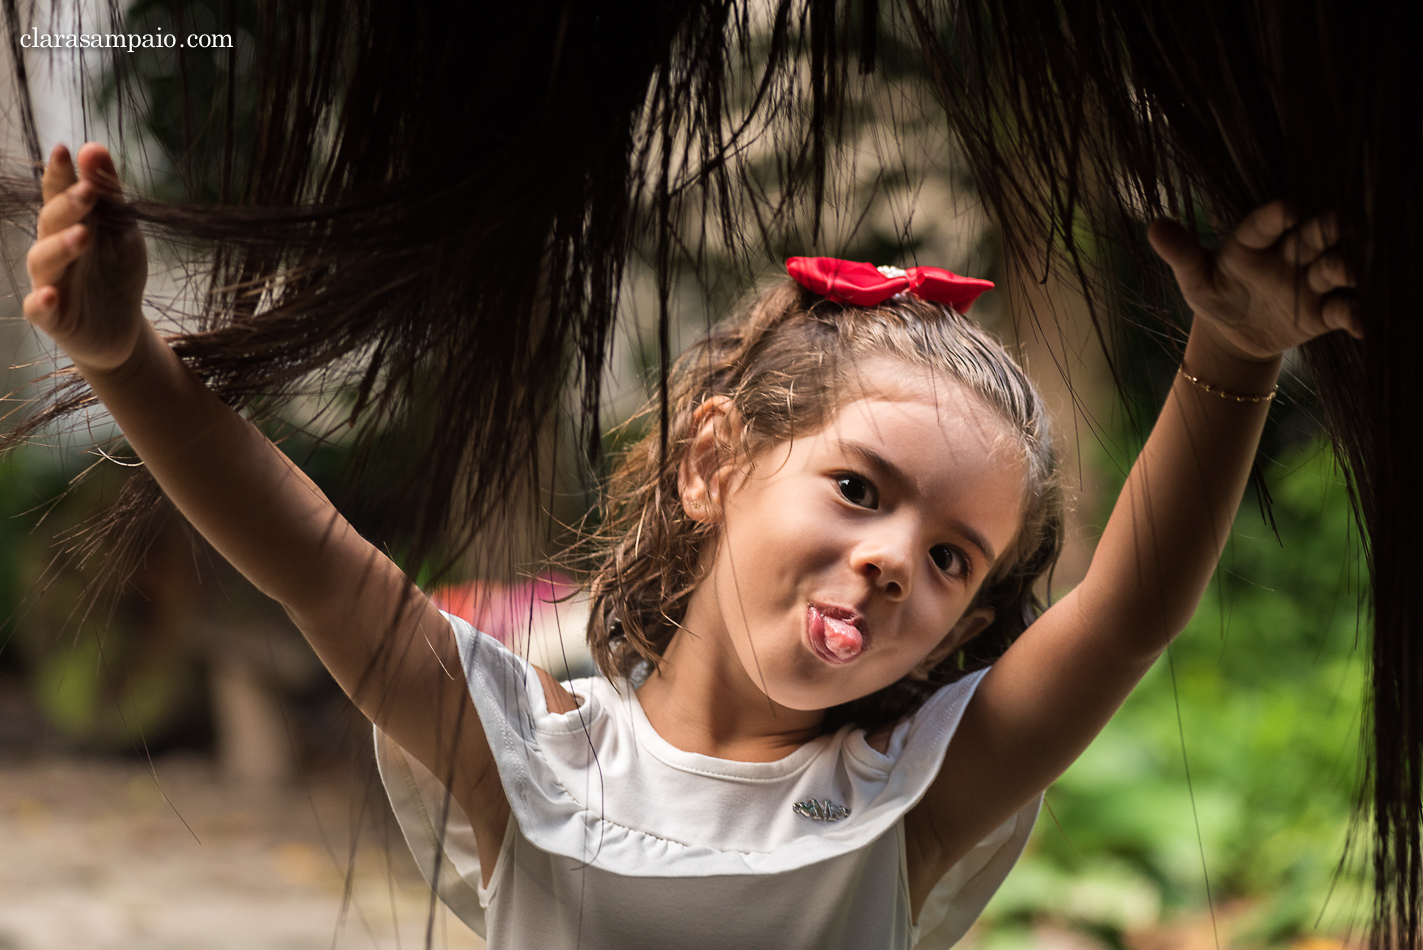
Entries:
{"x":885,"y":562}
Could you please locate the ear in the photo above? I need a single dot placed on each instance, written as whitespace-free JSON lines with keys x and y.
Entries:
{"x":708,"y":461}
{"x":970,"y":625}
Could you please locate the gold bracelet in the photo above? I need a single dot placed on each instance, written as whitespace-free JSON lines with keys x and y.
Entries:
{"x":1202,"y":384}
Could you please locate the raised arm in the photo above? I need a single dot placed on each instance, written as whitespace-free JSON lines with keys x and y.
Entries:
{"x":1262,"y":292}
{"x":388,"y":647}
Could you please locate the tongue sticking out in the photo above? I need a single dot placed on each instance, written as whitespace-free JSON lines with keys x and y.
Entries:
{"x":842,"y":638}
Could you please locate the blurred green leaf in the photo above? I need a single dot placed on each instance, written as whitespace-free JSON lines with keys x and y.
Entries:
{"x":1260,"y":700}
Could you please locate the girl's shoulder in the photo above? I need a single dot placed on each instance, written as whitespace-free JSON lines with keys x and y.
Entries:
{"x":557,"y":698}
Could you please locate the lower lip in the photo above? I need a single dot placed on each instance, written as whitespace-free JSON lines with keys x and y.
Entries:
{"x":815,"y":634}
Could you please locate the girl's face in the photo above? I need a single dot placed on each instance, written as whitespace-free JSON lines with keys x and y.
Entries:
{"x":849,"y":556}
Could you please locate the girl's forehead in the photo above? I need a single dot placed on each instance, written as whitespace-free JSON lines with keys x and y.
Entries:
{"x":890,"y":381}
{"x":918,"y":419}
{"x":883,"y":374}
{"x":902,"y":407}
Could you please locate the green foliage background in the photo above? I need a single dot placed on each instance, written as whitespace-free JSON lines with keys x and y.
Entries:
{"x":1237,"y":758}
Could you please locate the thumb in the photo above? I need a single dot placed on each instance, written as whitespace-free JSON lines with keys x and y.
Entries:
{"x":41,"y":308}
{"x":97,"y":165}
{"x":1192,"y":264}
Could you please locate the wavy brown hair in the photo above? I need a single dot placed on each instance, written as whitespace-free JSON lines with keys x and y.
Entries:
{"x":783,"y":361}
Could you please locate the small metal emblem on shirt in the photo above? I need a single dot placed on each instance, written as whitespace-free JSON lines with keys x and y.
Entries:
{"x":821,"y":809}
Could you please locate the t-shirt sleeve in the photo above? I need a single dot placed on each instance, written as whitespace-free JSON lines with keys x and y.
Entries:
{"x":962,"y":893}
{"x":439,"y":834}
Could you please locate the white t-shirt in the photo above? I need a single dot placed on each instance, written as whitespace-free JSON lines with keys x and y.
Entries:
{"x":618,"y":840}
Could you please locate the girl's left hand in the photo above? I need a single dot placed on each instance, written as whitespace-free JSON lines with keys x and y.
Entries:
{"x":1269,"y":286}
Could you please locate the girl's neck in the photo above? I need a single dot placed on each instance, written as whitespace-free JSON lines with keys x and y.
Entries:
{"x":700,"y":700}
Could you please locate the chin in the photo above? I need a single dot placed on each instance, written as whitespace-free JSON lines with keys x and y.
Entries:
{"x":804,"y":697}
{"x":808,"y":684}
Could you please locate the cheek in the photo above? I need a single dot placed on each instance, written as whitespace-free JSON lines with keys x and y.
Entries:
{"x":924,"y":632}
{"x":778,"y":534}
{"x":916,"y":649}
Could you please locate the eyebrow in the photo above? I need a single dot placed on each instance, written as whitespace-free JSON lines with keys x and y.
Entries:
{"x":896,"y":474}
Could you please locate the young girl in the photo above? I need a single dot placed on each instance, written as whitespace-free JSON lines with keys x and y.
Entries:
{"x":857,"y":503}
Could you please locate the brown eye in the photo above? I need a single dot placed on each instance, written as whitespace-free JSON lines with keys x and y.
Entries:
{"x":949,"y":560}
{"x":856,"y":491}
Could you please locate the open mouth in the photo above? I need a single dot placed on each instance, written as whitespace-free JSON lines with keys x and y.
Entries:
{"x":834,"y":633}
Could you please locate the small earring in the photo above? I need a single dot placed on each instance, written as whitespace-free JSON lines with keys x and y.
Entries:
{"x":695,"y":505}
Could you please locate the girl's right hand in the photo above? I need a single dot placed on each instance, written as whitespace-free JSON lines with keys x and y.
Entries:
{"x":87,"y":281}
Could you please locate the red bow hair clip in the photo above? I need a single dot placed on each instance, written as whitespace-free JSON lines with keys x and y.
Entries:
{"x":865,"y":285}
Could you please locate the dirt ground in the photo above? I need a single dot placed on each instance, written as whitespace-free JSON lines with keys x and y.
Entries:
{"x":106,"y":855}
